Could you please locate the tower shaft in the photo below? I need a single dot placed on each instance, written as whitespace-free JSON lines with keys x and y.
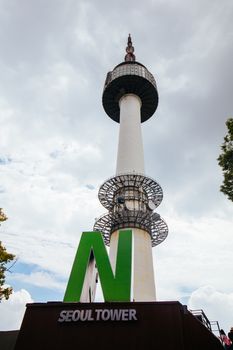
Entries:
{"x":130,"y":156}
{"x":130,"y":159}
{"x":143,"y":285}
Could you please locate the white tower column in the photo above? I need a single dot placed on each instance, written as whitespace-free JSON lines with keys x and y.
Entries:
{"x":130,"y":159}
{"x":143,"y":285}
{"x":130,"y":148}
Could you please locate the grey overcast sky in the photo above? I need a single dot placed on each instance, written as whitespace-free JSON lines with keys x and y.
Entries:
{"x":57,"y":145}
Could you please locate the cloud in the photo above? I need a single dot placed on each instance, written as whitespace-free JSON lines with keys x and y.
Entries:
{"x":194,"y":255}
{"x":12,"y":310}
{"x":41,"y":279}
{"x":217,"y":305}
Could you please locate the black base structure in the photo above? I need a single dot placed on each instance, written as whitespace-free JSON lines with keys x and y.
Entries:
{"x":144,"y":325}
{"x":8,"y":339}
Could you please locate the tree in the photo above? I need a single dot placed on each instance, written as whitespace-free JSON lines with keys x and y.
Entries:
{"x":225,"y":160}
{"x":5,"y":258}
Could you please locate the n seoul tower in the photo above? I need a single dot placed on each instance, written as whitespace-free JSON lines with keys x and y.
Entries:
{"x":130,"y":98}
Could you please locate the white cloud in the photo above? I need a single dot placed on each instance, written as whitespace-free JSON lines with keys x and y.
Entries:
{"x":12,"y":310}
{"x":40,"y":279}
{"x":195,"y":253}
{"x":217,"y":305}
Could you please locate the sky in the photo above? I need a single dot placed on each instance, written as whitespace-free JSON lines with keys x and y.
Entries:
{"x":57,"y":145}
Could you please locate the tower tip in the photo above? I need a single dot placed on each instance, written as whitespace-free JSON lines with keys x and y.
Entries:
{"x":129,"y":57}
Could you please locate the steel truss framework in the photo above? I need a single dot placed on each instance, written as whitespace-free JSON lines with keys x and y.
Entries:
{"x":110,"y":187}
{"x":139,"y":216}
{"x":110,"y":222}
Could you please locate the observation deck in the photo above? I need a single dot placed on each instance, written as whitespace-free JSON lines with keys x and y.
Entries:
{"x":130,"y":78}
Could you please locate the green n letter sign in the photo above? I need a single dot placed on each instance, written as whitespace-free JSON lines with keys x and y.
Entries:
{"x":115,"y":286}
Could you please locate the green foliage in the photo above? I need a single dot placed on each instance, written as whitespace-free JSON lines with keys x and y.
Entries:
{"x":5,"y":258}
{"x":3,"y":217}
{"x":225,"y":160}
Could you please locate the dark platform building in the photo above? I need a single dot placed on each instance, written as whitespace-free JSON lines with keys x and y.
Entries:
{"x":145,"y":325}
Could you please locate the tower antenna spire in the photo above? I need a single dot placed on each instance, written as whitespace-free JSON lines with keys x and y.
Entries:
{"x":129,"y":57}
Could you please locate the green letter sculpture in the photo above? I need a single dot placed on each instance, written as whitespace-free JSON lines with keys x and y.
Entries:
{"x":115,"y":287}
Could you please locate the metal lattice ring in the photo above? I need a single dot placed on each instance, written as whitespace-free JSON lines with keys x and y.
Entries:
{"x":159,"y":231}
{"x":108,"y":189}
{"x":110,"y":222}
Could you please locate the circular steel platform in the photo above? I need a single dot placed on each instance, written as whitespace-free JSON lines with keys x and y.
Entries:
{"x":110,"y":222}
{"x":110,"y":187}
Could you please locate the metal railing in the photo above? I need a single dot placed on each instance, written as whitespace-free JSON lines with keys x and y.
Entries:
{"x":213,"y":326}
{"x":201,"y":316}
